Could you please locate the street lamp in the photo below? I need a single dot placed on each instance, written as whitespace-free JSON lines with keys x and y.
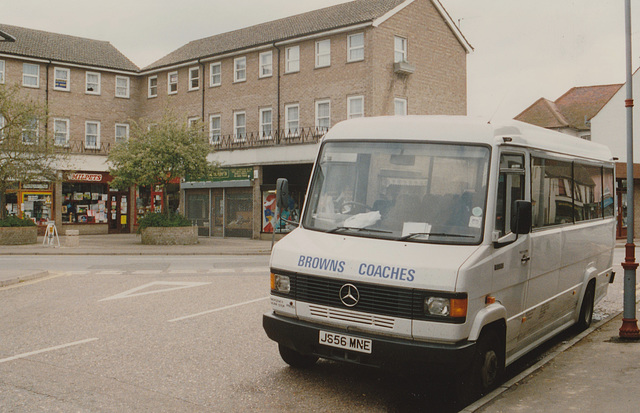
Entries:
{"x":629,"y":329}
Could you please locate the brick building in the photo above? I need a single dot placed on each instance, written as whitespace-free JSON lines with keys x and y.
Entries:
{"x":268,"y":92}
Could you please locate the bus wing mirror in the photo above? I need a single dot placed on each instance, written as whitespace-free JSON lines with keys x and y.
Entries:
{"x":282,"y":193}
{"x":521,"y":219}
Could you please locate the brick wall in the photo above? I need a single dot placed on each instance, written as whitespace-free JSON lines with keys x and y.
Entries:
{"x":18,"y":235}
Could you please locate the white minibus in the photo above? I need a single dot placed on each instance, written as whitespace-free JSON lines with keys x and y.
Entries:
{"x":443,"y":241}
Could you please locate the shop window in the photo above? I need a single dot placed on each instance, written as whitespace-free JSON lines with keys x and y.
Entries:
{"x":84,"y":203}
{"x":37,"y":206}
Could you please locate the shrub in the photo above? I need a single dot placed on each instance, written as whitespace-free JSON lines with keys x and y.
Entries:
{"x":14,"y":221}
{"x":157,"y":219}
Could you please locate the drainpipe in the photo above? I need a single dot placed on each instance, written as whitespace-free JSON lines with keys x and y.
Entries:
{"x":278,"y":91}
{"x":203,"y":87}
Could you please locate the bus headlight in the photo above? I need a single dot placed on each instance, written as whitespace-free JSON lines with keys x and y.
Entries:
{"x":280,"y":283}
{"x":445,"y":307}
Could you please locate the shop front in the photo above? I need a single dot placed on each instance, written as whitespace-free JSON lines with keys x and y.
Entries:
{"x":150,"y":199}
{"x":91,"y":206}
{"x":222,"y":207}
{"x":34,"y":201}
{"x":298,"y":177}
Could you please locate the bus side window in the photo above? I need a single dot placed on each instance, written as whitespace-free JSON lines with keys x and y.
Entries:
{"x":510,"y":189}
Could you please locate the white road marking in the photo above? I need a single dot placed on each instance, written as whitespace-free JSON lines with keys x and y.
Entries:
{"x":238,"y":269}
{"x":44,"y":350}
{"x":174,"y":285}
{"x":218,"y":309}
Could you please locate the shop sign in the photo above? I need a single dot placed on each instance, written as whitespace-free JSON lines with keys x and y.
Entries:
{"x":86,"y":177}
{"x":233,"y":174}
{"x":32,"y":186}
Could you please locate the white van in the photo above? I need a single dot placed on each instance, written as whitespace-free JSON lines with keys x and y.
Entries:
{"x":443,"y":241}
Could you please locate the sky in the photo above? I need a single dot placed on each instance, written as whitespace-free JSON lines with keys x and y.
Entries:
{"x":523,"y":49}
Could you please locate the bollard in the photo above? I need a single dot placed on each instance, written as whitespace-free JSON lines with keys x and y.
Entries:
{"x":72,"y":238}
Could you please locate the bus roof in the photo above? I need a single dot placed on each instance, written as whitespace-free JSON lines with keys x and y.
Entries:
{"x":464,"y":129}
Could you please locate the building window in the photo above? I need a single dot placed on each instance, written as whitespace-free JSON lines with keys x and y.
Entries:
{"x":292,"y":120}
{"x":400,"y":49}
{"x":292,"y":59}
{"x":30,"y":75}
{"x":172,"y":83}
{"x":355,"y":107}
{"x":215,"y":129}
{"x":153,"y":86}
{"x":61,"y":79}
{"x":323,"y":115}
{"x":323,"y":53}
{"x":2,"y":71}
{"x":194,"y":78}
{"x":92,"y":83}
{"x":215,"y":70}
{"x":193,"y":122}
{"x":61,"y":132}
{"x":266,"y":123}
{"x":92,"y":135}
{"x":122,"y":132}
{"x":400,"y":106}
{"x":266,"y":64}
{"x":355,"y":47}
{"x":240,"y":126}
{"x":30,"y":132}
{"x":122,"y":87}
{"x":240,"y":69}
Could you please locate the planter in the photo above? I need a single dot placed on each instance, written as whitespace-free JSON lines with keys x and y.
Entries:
{"x":170,"y":235}
{"x":18,"y":235}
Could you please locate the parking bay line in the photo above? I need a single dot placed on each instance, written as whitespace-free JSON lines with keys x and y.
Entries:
{"x":218,"y":309}
{"x":45,"y":350}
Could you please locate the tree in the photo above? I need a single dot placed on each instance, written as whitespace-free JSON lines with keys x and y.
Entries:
{"x":27,"y":151}
{"x":158,"y":153}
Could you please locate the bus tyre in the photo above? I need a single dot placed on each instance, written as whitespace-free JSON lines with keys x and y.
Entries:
{"x":488,"y":364}
{"x":295,"y":359}
{"x":586,"y":311}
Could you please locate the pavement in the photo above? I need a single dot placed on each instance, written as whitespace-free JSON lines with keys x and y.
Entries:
{"x":594,"y":371}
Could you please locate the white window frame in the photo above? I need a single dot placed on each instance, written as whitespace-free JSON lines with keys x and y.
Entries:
{"x":193,"y":121}
{"x":151,"y":94}
{"x":318,"y":118}
{"x":119,"y":138}
{"x":264,"y":135}
{"x":400,"y":52}
{"x":193,"y":78}
{"x":35,"y":130}
{"x":288,"y":121}
{"x":86,"y":83}
{"x":2,"y":71}
{"x":292,"y":59}
{"x":212,"y":82}
{"x":404,"y":104}
{"x":67,"y":80}
{"x":86,"y":134}
{"x":239,"y":73}
{"x":126,"y":88}
{"x":239,"y":137}
{"x":65,"y":134}
{"x":26,"y":76}
{"x":351,"y":115}
{"x":266,"y":64}
{"x":351,"y":49}
{"x":170,"y":84}
{"x":215,"y":133}
{"x":322,"y":55}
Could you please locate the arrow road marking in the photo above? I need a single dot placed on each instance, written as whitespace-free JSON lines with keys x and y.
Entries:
{"x":218,"y":309}
{"x":172,"y":285}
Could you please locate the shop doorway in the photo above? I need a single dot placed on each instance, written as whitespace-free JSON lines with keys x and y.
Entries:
{"x":217,"y":213}
{"x":118,"y":212}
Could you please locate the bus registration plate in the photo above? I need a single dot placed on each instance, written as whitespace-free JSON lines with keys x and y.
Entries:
{"x":361,"y":345}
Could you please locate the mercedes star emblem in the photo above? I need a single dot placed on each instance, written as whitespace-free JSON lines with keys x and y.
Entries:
{"x":349,"y":295}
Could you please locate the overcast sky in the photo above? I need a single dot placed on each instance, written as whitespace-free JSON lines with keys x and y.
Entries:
{"x":524,"y":49}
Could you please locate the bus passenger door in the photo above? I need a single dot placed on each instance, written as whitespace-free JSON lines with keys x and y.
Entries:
{"x":512,"y":252}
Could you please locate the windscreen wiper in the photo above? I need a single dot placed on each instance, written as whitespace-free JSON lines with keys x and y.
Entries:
{"x":343,"y":228}
{"x":438,"y":234}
